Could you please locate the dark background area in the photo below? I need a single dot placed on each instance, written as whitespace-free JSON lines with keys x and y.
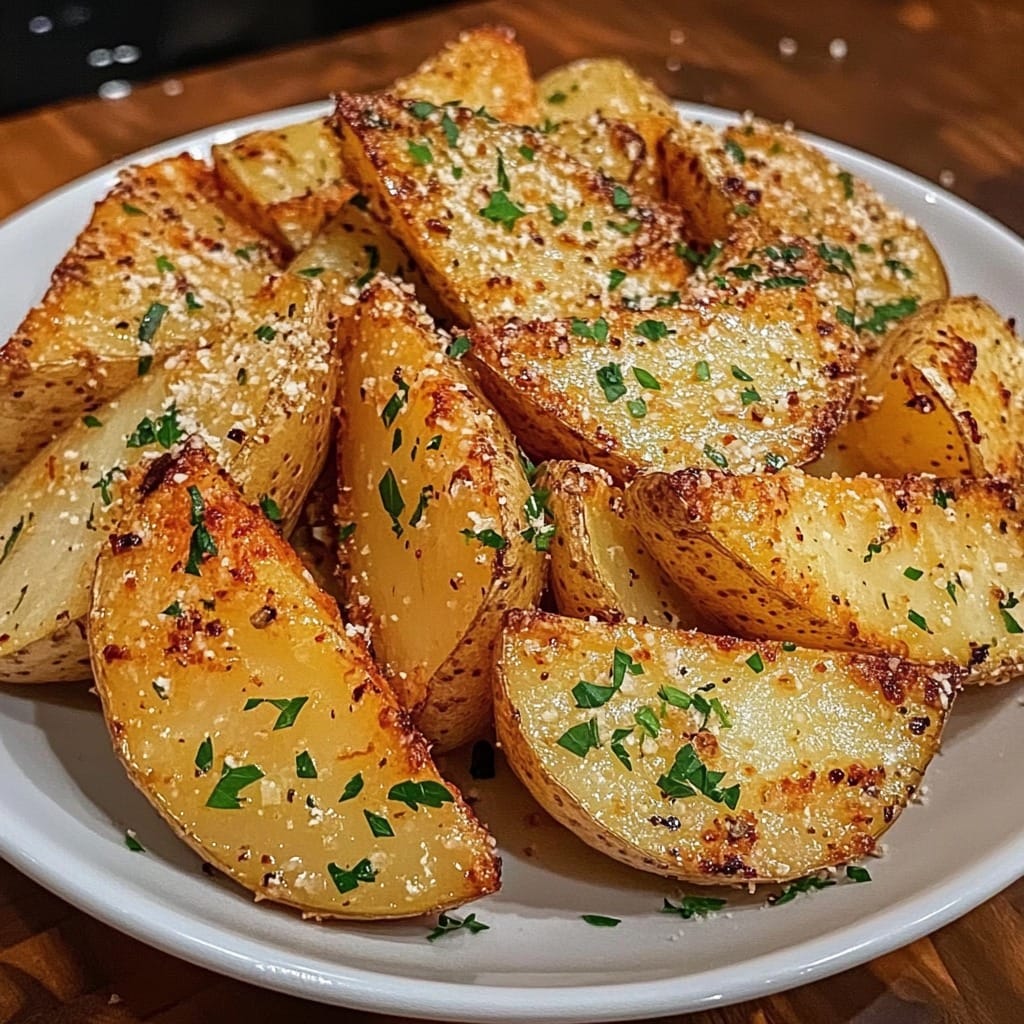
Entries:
{"x":50,"y":49}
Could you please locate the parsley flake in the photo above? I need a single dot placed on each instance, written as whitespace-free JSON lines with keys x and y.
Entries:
{"x":501,"y":210}
{"x":448,"y":923}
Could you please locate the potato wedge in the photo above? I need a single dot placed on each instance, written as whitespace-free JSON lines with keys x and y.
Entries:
{"x":748,"y":372}
{"x":435,"y":505}
{"x":483,"y":67}
{"x":315,"y":536}
{"x":609,"y":88}
{"x":287,"y":181}
{"x":944,"y":396}
{"x":611,"y":147}
{"x":160,"y":250}
{"x":803,"y":760}
{"x":721,"y":177}
{"x":599,"y":565}
{"x":923,"y":568}
{"x":256,"y":725}
{"x":500,"y":221}
{"x":262,"y":399}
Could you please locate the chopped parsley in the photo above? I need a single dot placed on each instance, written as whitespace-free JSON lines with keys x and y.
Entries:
{"x":755,"y":663}
{"x":14,"y":535}
{"x":600,"y":921}
{"x":919,"y":620}
{"x":305,"y":766}
{"x":526,"y":153}
{"x":615,"y":278}
{"x":230,"y":784}
{"x":714,"y":455}
{"x":693,"y":906}
{"x":637,"y":408}
{"x":105,"y":482}
{"x":164,"y":431}
{"x":132,"y":211}
{"x":150,"y":322}
{"x":582,"y":738}
{"x":1009,"y":621}
{"x":702,"y":371}
{"x":353,"y":788}
{"x":501,"y":210}
{"x":458,"y":347}
{"x":646,"y":379}
{"x":792,"y":890}
{"x":558,"y":215}
{"x":595,"y":331}
{"x":784,"y":281}
{"x":265,"y":333}
{"x":620,"y":198}
{"x":396,"y":402}
{"x":373,"y":265}
{"x":132,"y":843}
{"x":689,"y":776}
{"x":913,"y":574}
{"x":735,"y":150}
{"x":204,"y":756}
{"x":428,"y":793}
{"x":448,"y":923}
{"x":201,"y":545}
{"x":845,"y":317}
{"x":610,"y":379}
{"x":652,"y":330}
{"x":392,"y":500}
{"x":942,"y":498}
{"x":885,"y":314}
{"x":503,"y":182}
{"x":837,"y":257}
{"x":306,"y":272}
{"x":422,"y":110}
{"x":420,"y":153}
{"x":92,"y":421}
{"x":857,"y":874}
{"x":346,"y":531}
{"x":648,"y":721}
{"x":347,"y":879}
{"x":289,"y":708}
{"x":557,"y":97}
{"x":846,"y":178}
{"x":536,"y":510}
{"x":628,"y":227}
{"x":379,"y":825}
{"x":164,"y":265}
{"x":270,"y":508}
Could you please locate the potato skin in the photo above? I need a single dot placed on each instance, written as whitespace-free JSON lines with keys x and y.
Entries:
{"x":920,"y":568}
{"x":944,"y":396}
{"x":425,"y":582}
{"x":814,"y":788}
{"x":190,"y":655}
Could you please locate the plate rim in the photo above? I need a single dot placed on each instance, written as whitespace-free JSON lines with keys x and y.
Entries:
{"x":32,"y":851}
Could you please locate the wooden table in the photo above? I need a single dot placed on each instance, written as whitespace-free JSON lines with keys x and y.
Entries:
{"x":933,"y":85}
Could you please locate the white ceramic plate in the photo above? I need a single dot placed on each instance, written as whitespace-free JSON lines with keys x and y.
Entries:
{"x":65,"y":802}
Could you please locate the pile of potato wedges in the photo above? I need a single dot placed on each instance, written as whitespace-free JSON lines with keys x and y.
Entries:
{"x":661,"y":449}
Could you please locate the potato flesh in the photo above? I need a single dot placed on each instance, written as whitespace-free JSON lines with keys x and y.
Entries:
{"x":599,"y":565}
{"x":252,"y":627}
{"x":430,"y":595}
{"x":161,"y":235}
{"x":545,"y":377}
{"x":611,"y":147}
{"x":288,"y":181}
{"x":543,"y":263}
{"x":944,"y":397}
{"x":852,"y":564}
{"x":271,"y":431}
{"x":721,"y":177}
{"x":826,"y":748}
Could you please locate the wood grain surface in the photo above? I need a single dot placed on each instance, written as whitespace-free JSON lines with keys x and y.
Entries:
{"x":933,"y":86}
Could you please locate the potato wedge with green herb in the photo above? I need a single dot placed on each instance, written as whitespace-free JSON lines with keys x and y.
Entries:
{"x":483,"y":67}
{"x":944,"y":396}
{"x":500,"y":221}
{"x":747,"y":372}
{"x":442,"y":532}
{"x":609,"y":88}
{"x":611,"y":147}
{"x":256,"y":724}
{"x":755,"y":169}
{"x":923,"y":568}
{"x":599,"y":565}
{"x":162,"y":265}
{"x":261,"y":397}
{"x":711,"y":759}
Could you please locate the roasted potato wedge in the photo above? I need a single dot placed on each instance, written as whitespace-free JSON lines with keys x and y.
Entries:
{"x":599,"y":565}
{"x":721,"y":177}
{"x":944,"y":396}
{"x":711,"y":759}
{"x":435,"y":505}
{"x":748,"y":372}
{"x":315,"y":536}
{"x":161,"y":251}
{"x":609,"y":88}
{"x":289,"y":182}
{"x":922,"y":568}
{"x":256,"y":725}
{"x":611,"y":147}
{"x":499,"y":220}
{"x":261,"y":398}
{"x":286,"y":181}
{"x":483,"y":67}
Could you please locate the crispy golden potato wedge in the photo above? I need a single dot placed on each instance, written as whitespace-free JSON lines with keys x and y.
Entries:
{"x":435,"y":506}
{"x":599,"y":565}
{"x":721,"y":177}
{"x":751,"y":370}
{"x":500,"y":221}
{"x":711,"y":759}
{"x":611,"y":147}
{"x":609,"y":88}
{"x":287,"y":181}
{"x":256,"y":725}
{"x":944,"y":396}
{"x":262,"y":398}
{"x":162,"y":265}
{"x":923,"y":568}
{"x":483,"y":67}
